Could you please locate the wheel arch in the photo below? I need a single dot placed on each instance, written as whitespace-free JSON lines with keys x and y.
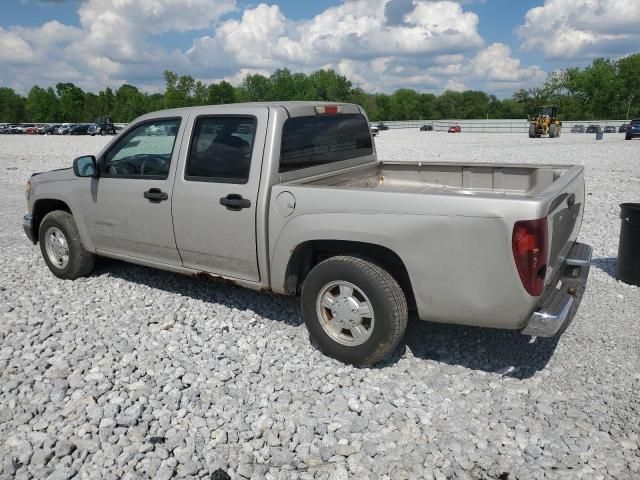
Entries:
{"x":308,"y":254}
{"x":44,"y":206}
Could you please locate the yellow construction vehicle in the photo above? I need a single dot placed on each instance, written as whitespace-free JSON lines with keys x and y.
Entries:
{"x":546,"y":122}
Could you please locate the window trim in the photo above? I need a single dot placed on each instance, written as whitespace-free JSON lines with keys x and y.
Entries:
{"x":125,"y":133}
{"x":233,"y":181}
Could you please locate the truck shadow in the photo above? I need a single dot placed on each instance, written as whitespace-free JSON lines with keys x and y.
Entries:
{"x":495,"y":351}
{"x":609,"y":265}
{"x":505,"y":352}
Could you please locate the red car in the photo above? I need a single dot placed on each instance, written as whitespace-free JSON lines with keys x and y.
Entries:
{"x":31,"y":130}
{"x":455,"y":129}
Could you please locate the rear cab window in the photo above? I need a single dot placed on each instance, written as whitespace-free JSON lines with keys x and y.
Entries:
{"x":323,"y":139}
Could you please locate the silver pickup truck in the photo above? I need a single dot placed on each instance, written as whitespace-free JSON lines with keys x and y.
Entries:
{"x":290,"y":197}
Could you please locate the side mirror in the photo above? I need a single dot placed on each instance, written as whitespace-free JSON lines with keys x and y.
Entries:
{"x":85,"y":166}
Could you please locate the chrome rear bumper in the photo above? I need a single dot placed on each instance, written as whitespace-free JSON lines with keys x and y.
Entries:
{"x":562,"y":298}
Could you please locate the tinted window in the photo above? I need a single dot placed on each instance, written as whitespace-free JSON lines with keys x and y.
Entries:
{"x":635,"y":122}
{"x":145,"y":151}
{"x":318,"y":140}
{"x":221,"y":149}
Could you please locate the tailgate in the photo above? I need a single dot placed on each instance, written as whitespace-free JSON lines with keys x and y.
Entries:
{"x":565,"y":198}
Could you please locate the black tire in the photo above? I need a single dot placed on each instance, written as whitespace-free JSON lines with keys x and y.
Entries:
{"x":627,"y":137}
{"x":532,"y":131}
{"x":553,"y":131}
{"x":80,"y":262}
{"x":385,"y":296}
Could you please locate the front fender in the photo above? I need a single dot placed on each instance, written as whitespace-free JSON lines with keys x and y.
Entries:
{"x":70,"y":193}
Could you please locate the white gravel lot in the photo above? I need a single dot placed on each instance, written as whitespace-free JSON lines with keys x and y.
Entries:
{"x":135,"y":373}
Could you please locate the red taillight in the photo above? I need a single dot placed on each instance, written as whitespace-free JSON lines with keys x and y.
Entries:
{"x":530,"y":251}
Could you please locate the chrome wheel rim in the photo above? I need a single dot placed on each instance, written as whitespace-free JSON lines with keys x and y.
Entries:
{"x":345,"y":313}
{"x":57,"y":247}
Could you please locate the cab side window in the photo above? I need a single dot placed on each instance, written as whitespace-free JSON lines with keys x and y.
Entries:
{"x":220,"y":149}
{"x":144,"y":152}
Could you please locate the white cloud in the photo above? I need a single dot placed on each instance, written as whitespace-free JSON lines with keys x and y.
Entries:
{"x":428,"y":45}
{"x":496,"y":65}
{"x":582,"y":29}
{"x":13,"y":48}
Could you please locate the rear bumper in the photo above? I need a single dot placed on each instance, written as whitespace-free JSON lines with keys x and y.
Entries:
{"x":27,"y":225}
{"x":561,"y":299}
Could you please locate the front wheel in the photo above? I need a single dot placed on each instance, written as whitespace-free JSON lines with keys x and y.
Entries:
{"x":62,"y":248}
{"x":532,"y":131}
{"x":354,"y":310}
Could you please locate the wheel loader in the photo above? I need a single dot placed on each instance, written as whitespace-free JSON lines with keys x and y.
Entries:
{"x":546,"y":122}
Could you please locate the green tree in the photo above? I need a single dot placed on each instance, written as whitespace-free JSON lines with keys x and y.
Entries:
{"x":254,"y":88}
{"x":129,"y":103}
{"x":179,"y":90}
{"x":12,"y":106}
{"x":42,"y":105}
{"x":629,"y":73}
{"x":106,"y":100}
{"x":71,"y":102}
{"x":91,"y":109}
{"x":328,"y":86}
{"x":221,"y":93}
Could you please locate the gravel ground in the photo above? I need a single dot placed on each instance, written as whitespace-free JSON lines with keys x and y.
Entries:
{"x":135,"y":373}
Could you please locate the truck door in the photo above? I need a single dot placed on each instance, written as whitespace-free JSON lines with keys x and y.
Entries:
{"x":128,"y":210}
{"x":216,"y":191}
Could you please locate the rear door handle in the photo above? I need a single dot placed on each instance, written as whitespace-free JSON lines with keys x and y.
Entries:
{"x":155,"y":195}
{"x":235,"y":202}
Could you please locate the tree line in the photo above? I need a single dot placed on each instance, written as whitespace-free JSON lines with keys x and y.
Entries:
{"x":606,"y":89}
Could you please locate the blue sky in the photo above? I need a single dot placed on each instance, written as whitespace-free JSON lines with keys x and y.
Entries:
{"x":381,"y":45}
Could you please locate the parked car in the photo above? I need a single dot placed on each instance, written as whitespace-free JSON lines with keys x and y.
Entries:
{"x":383,"y":126}
{"x":360,"y":250}
{"x":30,"y":129}
{"x":426,"y":128}
{"x":80,"y":129}
{"x":633,"y":130}
{"x":51,"y":129}
{"x":577,"y":129}
{"x":623,"y":128}
{"x":609,"y":129}
{"x":64,"y":128}
{"x":102,"y":126}
{"x":93,"y":129}
{"x":374,"y":130}
{"x":455,"y":129}
{"x":593,"y":129}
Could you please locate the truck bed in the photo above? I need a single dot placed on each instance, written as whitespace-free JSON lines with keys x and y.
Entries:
{"x":488,"y":180}
{"x":452,"y":222}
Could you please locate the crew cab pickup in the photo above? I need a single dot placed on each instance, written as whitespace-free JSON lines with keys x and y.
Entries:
{"x":290,"y":197}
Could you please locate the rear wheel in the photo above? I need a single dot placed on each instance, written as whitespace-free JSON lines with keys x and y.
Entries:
{"x":627,"y":137}
{"x":552,"y":131}
{"x":532,"y":131}
{"x":354,"y":310}
{"x":62,"y":248}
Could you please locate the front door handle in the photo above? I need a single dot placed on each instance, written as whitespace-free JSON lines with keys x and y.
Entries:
{"x":155,"y":195}
{"x":235,"y":202}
